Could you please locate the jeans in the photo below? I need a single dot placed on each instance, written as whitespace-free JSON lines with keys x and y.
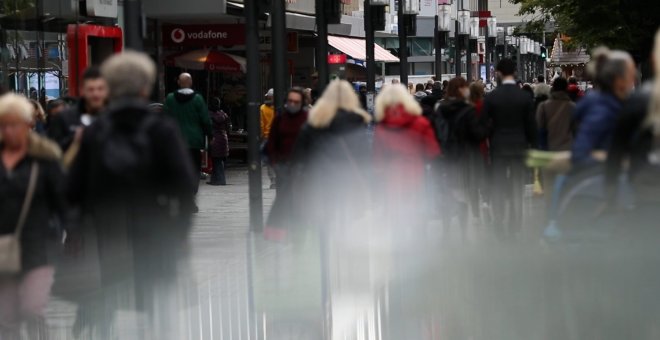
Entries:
{"x":218,"y":175}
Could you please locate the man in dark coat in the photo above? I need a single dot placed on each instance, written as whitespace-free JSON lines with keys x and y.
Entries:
{"x":93,"y":97}
{"x":135,"y":185}
{"x":511,"y":114}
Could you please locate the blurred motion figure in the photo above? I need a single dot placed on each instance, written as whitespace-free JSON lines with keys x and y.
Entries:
{"x":31,"y":191}
{"x":135,"y":183}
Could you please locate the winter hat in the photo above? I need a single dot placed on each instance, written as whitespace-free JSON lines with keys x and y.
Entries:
{"x":270,"y":93}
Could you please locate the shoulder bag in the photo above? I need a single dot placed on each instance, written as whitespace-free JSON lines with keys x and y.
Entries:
{"x":10,"y":245}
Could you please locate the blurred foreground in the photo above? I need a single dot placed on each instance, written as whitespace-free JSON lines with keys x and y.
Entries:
{"x":421,"y":283}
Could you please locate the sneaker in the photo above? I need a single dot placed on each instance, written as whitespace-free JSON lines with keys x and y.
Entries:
{"x":552,"y":232}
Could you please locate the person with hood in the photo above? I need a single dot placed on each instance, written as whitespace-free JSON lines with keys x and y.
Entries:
{"x":404,"y":143}
{"x":267,"y":114}
{"x":135,"y":185}
{"x":462,"y":158}
{"x":31,"y":192}
{"x":574,"y":91}
{"x":189,"y":110}
{"x":64,"y":127}
{"x":597,"y":113}
{"x":331,"y":158}
{"x":282,"y":138}
{"x":221,"y":125}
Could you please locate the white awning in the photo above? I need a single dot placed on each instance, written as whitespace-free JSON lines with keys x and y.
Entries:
{"x":357,"y":49}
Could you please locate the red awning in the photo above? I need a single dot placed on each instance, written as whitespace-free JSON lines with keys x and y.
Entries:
{"x":356,"y":48}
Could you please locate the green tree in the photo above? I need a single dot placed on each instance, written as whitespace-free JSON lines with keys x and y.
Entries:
{"x":622,"y":24}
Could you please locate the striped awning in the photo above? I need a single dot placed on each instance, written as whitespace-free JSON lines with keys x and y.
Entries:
{"x":356,"y":48}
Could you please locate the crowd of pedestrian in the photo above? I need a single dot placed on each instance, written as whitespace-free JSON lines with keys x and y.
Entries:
{"x":130,"y":170}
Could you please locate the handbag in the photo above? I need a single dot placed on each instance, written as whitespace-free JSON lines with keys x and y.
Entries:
{"x":10,"y":245}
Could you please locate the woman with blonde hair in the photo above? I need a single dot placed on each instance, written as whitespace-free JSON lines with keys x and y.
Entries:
{"x":32,"y":192}
{"x":404,"y":144}
{"x":330,"y":157}
{"x":636,"y":139}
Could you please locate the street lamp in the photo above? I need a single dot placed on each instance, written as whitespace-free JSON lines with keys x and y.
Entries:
{"x":464,"y":22}
{"x":444,"y":17}
{"x":462,"y":34}
{"x":410,"y":11}
{"x":443,"y":22}
{"x":491,"y":41}
{"x":472,"y":47}
{"x":406,"y":15}
{"x":522,"y":51}
{"x":374,"y":13}
{"x":376,"y":9}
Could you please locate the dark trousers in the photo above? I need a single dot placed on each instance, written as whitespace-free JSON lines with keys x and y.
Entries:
{"x":218,"y":174}
{"x":508,"y":185}
{"x":196,"y":157}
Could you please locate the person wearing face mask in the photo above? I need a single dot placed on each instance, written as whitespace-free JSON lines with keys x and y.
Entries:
{"x":614,"y":76}
{"x":281,"y":140}
{"x":461,"y":155}
{"x":285,"y":128}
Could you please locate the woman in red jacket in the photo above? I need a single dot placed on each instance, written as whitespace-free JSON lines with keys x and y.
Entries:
{"x":404,"y":143}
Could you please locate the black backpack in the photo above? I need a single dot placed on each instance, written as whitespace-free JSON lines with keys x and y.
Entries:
{"x":446,"y":132}
{"x":126,"y":154}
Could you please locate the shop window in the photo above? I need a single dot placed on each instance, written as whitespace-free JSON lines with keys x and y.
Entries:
{"x":423,"y":68}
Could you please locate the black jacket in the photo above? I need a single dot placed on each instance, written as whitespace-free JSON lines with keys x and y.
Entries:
{"x":331,"y":167}
{"x":141,"y":197}
{"x":48,"y":200}
{"x":634,"y":141}
{"x":470,"y":130}
{"x":511,"y":114}
{"x":62,"y":128}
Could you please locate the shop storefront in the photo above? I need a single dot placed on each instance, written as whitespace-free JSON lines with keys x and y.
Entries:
{"x":36,"y":55}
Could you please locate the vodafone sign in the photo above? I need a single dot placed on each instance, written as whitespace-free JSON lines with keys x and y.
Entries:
{"x":203,"y":35}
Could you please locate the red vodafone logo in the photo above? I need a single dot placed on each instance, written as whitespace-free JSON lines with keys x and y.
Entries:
{"x":178,"y":35}
{"x":203,"y":35}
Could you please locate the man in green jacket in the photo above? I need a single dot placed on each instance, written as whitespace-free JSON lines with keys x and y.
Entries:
{"x":189,"y":109}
